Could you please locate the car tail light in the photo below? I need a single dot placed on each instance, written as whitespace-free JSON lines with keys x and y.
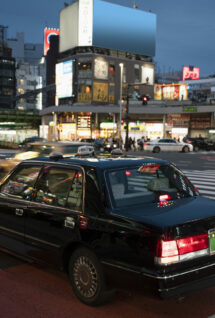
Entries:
{"x":172,"y":251}
{"x":167,"y":252}
{"x":146,"y":144}
{"x":164,"y":197}
{"x":189,"y":142}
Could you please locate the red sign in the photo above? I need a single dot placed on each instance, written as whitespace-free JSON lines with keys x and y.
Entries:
{"x":190,"y":73}
{"x":47,"y":34}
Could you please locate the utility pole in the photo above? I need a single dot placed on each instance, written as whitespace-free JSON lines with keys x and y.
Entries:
{"x":127,"y":119}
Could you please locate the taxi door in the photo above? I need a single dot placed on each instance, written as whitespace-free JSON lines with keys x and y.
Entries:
{"x":54,"y":213}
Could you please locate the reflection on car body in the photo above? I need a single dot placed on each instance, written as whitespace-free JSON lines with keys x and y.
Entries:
{"x":38,"y":149}
{"x":83,"y":214}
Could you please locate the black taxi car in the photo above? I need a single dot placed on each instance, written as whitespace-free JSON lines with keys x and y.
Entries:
{"x":82,"y":214}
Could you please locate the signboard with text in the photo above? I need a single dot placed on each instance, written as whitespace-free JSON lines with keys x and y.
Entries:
{"x":191,"y":73}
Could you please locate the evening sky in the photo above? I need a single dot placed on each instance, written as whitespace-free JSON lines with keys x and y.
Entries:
{"x":185,"y":28}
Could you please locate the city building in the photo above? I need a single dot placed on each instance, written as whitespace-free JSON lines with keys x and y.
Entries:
{"x":100,"y":62}
{"x":104,"y":66}
{"x":28,"y":79}
{"x":25,"y":52}
{"x":30,"y":72}
{"x":7,"y":73}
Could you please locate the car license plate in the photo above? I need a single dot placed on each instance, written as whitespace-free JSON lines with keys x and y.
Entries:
{"x":211,"y":235}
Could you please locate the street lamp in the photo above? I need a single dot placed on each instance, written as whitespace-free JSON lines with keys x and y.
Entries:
{"x":120,"y":98}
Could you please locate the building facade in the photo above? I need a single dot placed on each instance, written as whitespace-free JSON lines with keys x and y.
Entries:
{"x":91,"y":73}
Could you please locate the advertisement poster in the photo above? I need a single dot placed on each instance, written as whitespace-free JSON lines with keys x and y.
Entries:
{"x":190,"y":73}
{"x":147,"y":75}
{"x":157,"y":92}
{"x":100,"y":92}
{"x":47,"y":34}
{"x":64,"y":79}
{"x":100,"y":69}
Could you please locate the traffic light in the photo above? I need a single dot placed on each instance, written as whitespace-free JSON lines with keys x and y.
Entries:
{"x":122,"y":122}
{"x":144,"y":100}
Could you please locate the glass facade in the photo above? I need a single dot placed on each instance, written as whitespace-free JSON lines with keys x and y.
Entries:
{"x":7,"y":82}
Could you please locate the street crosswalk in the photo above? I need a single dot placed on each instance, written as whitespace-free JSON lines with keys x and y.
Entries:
{"x":204,"y":181}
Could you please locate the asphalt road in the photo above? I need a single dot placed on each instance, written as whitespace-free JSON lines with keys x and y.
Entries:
{"x":39,"y":292}
{"x":32,"y":290}
{"x":202,"y":160}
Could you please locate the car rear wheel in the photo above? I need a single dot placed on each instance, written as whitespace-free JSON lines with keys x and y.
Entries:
{"x":156,"y":149}
{"x":185,"y":149}
{"x":87,"y":277}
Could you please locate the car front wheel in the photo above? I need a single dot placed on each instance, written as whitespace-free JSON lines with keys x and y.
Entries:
{"x":196,"y":148}
{"x":185,"y":149}
{"x":87,"y":277}
{"x":156,"y":149}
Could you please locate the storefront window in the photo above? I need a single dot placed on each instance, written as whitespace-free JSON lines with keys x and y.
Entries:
{"x":84,"y":91}
{"x":84,"y":68}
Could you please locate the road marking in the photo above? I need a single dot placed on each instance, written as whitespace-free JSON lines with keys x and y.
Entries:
{"x":204,"y":181}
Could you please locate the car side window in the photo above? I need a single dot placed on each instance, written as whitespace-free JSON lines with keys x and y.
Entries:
{"x":20,"y":184}
{"x":60,"y":187}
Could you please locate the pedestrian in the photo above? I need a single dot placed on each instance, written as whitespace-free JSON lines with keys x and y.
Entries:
{"x":134,"y":144}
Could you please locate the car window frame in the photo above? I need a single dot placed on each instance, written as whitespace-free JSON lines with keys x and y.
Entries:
{"x":16,"y":170}
{"x":108,"y":185}
{"x":68,"y":167}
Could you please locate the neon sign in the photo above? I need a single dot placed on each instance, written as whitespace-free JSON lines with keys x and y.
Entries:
{"x":190,"y":73}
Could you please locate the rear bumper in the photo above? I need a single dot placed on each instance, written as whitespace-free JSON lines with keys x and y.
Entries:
{"x":175,"y":284}
{"x":180,"y":283}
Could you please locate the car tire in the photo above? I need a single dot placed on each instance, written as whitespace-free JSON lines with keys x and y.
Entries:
{"x":186,"y":149}
{"x":196,"y":148}
{"x":156,"y":149}
{"x":87,"y":277}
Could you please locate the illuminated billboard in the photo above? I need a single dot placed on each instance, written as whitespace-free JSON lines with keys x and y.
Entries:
{"x":125,"y":29}
{"x":147,"y":75}
{"x":190,"y":72}
{"x":47,"y":34}
{"x":170,"y":92}
{"x":64,"y":79}
{"x":111,"y":26}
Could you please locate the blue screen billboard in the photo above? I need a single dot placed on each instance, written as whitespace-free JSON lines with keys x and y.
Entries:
{"x":64,"y":79}
{"x":125,"y":29}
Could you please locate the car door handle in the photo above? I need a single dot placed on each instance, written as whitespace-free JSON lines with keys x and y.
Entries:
{"x":19,"y":212}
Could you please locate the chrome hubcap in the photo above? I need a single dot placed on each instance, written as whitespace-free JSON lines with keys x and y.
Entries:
{"x":85,"y":277}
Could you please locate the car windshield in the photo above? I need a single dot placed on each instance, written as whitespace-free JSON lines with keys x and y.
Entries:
{"x":69,"y":149}
{"x":147,"y":184}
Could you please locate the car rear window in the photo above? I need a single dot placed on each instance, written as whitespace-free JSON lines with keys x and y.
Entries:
{"x":146,"y":184}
